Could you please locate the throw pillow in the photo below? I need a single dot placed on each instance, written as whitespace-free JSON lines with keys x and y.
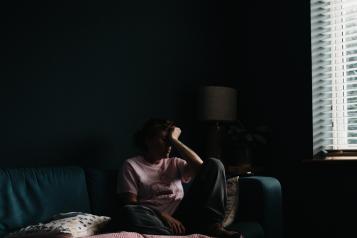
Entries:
{"x":76,"y":224}
{"x":79,"y":224}
{"x":232,"y":201}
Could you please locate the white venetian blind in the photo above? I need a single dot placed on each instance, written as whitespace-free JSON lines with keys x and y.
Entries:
{"x":334,"y":74}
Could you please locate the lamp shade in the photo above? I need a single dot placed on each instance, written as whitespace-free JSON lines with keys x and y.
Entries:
{"x":217,"y":103}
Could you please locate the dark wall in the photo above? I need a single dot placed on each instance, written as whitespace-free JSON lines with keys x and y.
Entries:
{"x":77,"y":79}
{"x":272,"y":68}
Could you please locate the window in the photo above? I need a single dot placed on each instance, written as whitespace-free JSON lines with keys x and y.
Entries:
{"x":334,"y":74}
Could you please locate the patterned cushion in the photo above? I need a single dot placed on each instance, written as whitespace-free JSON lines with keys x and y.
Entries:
{"x":126,"y":234}
{"x":76,"y":224}
{"x":232,"y":201}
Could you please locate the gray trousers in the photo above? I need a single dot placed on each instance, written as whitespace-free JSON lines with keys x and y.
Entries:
{"x":203,"y":204}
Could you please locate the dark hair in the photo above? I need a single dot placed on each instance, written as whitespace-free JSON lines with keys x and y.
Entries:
{"x":150,"y":129}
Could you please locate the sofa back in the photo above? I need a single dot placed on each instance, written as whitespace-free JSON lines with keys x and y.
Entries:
{"x":32,"y":195}
{"x":102,"y":189}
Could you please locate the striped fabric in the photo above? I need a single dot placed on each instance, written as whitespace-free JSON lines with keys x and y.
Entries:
{"x":125,"y":234}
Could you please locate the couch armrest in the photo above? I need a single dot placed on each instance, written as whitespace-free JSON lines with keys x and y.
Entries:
{"x":260,"y":200}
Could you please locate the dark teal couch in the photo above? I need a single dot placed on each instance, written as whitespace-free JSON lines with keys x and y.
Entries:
{"x":33,"y":195}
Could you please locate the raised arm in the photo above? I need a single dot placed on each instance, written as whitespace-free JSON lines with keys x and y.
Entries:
{"x":193,"y":160}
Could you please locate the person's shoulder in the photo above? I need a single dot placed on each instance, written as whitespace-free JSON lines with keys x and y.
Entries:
{"x":133,"y":160}
{"x":177,"y":160}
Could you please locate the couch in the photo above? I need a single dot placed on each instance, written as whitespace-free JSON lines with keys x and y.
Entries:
{"x":32,"y":195}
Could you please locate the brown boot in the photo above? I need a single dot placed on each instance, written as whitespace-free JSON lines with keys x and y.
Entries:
{"x":217,"y":230}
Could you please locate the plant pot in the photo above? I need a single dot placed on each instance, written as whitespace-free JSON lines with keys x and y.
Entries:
{"x":238,"y":155}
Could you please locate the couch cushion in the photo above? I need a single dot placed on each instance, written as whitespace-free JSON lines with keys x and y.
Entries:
{"x":32,"y":195}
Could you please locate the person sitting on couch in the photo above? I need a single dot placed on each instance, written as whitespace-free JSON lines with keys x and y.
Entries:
{"x":150,"y":187}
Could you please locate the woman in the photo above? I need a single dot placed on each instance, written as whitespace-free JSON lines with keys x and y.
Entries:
{"x":150,"y":187}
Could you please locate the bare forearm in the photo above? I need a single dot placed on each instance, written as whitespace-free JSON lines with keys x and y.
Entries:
{"x":191,"y":157}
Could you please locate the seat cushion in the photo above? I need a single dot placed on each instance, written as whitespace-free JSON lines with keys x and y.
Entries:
{"x":32,"y":195}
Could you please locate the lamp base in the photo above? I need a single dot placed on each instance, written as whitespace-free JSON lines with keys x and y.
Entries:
{"x":213,"y":140}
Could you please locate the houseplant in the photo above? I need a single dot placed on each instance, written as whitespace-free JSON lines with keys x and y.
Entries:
{"x":242,"y":145}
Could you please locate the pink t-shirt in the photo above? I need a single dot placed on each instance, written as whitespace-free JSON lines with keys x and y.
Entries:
{"x":156,"y":185}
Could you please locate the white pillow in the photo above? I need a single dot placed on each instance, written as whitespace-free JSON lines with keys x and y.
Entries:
{"x":76,"y":224}
{"x":232,"y":201}
{"x":79,"y":225}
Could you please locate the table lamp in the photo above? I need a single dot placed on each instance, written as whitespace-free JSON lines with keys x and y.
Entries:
{"x":217,"y":105}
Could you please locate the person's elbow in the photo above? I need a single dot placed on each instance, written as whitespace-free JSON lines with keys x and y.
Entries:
{"x":193,"y":169}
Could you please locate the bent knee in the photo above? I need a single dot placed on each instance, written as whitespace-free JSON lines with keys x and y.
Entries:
{"x":213,"y":162}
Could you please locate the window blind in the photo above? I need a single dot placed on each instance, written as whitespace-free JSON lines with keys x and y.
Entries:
{"x":334,"y":74}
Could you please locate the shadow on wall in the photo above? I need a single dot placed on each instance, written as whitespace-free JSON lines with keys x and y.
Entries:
{"x":89,"y":151}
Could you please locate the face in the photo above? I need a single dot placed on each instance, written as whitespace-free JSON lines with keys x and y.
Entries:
{"x":158,"y":145}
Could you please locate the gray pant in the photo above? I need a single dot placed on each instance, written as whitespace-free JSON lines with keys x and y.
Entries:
{"x":203,"y":205}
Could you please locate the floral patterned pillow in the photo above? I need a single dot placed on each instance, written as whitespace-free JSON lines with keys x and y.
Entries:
{"x":232,"y":201}
{"x":76,"y":224}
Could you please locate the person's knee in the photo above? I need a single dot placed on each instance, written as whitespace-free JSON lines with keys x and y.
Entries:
{"x":215,"y":163}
